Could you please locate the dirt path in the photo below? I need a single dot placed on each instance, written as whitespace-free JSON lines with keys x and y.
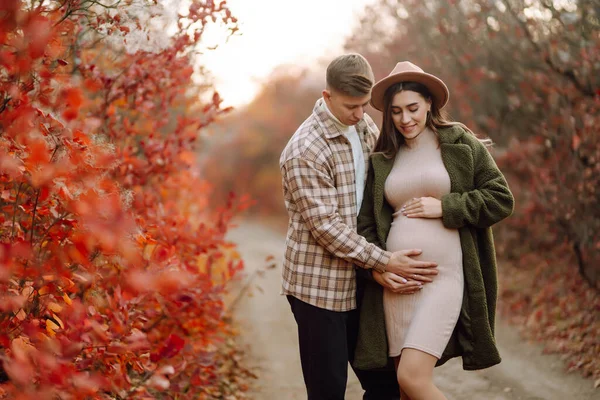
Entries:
{"x":270,"y":338}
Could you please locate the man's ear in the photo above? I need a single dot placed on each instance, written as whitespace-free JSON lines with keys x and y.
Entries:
{"x":326,"y":94}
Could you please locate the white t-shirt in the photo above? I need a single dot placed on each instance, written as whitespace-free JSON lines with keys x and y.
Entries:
{"x":357,"y":154}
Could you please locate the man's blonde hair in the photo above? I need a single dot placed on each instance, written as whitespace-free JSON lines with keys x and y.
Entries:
{"x":351,"y":75}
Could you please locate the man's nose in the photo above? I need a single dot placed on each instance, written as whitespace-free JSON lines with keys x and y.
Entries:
{"x":358,"y":114}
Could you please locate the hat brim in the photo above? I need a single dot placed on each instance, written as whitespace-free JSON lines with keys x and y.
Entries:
{"x":436,"y":86}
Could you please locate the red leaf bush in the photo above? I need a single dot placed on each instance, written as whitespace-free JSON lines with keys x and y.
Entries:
{"x":112,"y":271}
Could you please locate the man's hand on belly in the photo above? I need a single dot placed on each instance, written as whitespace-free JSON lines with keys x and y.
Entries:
{"x":401,"y":263}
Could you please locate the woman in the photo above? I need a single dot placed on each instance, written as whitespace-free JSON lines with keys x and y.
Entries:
{"x":432,"y":186}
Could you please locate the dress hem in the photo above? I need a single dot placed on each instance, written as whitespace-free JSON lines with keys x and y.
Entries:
{"x":420,"y":348}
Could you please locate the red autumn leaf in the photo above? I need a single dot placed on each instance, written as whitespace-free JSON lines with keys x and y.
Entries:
{"x":70,"y":114}
{"x":81,"y":137}
{"x":576,"y":142}
{"x":44,"y":194}
{"x":188,"y":157}
{"x":92,"y":85}
{"x":73,"y":100}
{"x":38,"y":32}
{"x":80,"y":248}
{"x":38,"y":152}
{"x":172,"y":346}
{"x":73,"y":97}
{"x":20,"y":372}
{"x":216,"y":98}
{"x":4,"y":341}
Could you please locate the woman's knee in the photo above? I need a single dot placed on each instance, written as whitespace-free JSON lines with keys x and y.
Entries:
{"x":410,"y":377}
{"x":413,"y":375}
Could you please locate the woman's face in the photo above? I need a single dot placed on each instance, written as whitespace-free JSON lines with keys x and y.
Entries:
{"x":409,"y":113}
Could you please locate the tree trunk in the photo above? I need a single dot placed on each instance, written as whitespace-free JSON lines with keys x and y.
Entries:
{"x":588,"y":270}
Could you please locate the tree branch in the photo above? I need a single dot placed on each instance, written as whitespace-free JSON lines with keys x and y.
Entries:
{"x":569,"y":74}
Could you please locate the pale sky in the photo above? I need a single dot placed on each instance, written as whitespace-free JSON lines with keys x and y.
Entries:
{"x":276,"y":32}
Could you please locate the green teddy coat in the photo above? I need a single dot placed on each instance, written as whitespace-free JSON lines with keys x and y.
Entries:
{"x":479,"y":198}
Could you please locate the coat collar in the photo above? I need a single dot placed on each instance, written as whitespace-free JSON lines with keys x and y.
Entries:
{"x":451,"y":134}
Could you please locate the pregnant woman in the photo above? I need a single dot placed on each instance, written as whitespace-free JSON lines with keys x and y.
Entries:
{"x":432,"y":186}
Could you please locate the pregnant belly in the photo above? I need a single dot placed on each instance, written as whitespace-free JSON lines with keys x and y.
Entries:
{"x":437,"y":242}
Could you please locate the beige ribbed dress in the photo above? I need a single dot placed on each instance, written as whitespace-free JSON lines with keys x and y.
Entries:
{"x":424,"y":320}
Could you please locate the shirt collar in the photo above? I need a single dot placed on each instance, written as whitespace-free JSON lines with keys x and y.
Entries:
{"x":333,"y":117}
{"x":331,"y":126}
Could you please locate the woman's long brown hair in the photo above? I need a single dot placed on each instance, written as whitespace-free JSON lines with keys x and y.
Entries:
{"x":390,"y":139}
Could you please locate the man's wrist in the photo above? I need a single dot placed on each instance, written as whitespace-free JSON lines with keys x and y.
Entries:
{"x":379,"y":259}
{"x":380,"y":267}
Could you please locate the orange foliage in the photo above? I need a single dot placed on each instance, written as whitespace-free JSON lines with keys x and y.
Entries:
{"x":112,"y":269}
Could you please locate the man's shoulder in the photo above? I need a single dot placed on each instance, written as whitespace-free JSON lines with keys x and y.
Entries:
{"x":308,"y":142}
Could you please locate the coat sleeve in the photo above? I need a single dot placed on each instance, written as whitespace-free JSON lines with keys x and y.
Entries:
{"x":315,"y":195}
{"x":490,"y":202}
{"x":366,"y":220}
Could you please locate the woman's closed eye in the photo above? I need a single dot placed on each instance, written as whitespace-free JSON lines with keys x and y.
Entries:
{"x":397,"y":112}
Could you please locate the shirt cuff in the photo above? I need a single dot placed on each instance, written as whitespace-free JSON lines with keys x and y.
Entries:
{"x":379,"y":259}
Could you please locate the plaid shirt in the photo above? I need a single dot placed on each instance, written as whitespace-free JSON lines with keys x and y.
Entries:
{"x":319,"y":187}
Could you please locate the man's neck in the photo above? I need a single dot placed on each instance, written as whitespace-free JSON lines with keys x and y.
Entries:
{"x":335,"y":119}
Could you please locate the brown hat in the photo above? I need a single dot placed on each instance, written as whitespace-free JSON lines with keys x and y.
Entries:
{"x":406,"y":71}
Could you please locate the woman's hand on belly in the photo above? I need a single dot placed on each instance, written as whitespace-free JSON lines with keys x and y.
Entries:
{"x":396,"y":283}
{"x":422,"y":207}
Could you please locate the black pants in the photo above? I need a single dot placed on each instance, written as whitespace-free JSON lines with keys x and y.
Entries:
{"x":327,"y":341}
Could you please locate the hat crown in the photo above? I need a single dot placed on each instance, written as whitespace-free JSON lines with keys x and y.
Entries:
{"x":405,"y":71}
{"x":405,"y":66}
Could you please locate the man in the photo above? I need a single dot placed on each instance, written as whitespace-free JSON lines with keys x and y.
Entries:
{"x":323,"y":169}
